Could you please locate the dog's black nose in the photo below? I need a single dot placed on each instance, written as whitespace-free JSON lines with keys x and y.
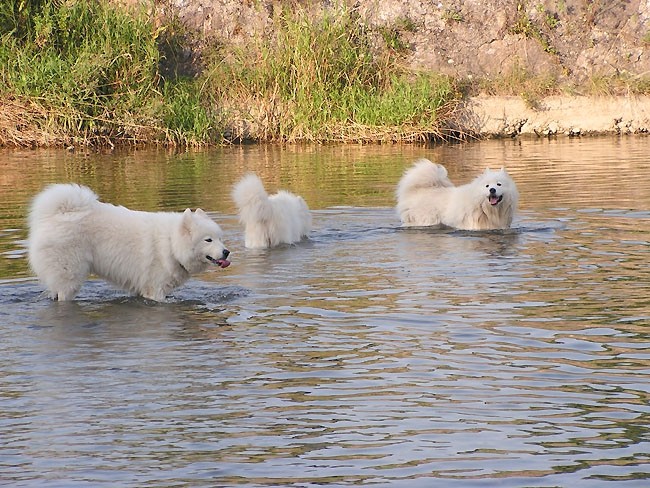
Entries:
{"x":225,"y":253}
{"x":493,"y":191}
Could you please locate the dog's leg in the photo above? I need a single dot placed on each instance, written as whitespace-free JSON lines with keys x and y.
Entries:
{"x":66,"y":294}
{"x":64,"y":283}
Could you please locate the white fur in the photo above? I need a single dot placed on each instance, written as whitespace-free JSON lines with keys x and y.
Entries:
{"x":426,"y":197}
{"x":72,"y":234}
{"x":283,"y":218}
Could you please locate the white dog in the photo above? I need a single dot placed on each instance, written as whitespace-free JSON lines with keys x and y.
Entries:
{"x":426,"y":197}
{"x":73,"y":234}
{"x":283,"y":218}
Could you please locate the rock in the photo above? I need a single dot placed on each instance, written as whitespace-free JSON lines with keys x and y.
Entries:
{"x":552,"y":129}
{"x":574,"y":39}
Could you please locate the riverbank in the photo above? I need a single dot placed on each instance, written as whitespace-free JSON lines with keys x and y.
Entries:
{"x":25,"y":124}
{"x":164,"y":73}
{"x":494,"y":116}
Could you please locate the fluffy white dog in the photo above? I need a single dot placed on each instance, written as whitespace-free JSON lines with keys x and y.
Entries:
{"x":426,"y":197}
{"x":73,"y":234}
{"x":283,"y":218}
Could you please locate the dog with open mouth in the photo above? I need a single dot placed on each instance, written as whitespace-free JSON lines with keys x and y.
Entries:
{"x":427,"y":197}
{"x":72,"y":235}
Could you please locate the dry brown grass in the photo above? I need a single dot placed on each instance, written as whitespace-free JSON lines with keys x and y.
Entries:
{"x":25,"y":124}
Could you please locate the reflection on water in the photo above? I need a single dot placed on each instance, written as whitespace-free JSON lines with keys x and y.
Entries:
{"x":369,"y":354}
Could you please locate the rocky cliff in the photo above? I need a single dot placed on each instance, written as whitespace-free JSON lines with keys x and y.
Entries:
{"x":574,"y":39}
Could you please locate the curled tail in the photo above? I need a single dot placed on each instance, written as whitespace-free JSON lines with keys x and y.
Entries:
{"x":252,"y":200}
{"x":60,"y":200}
{"x":423,"y":174}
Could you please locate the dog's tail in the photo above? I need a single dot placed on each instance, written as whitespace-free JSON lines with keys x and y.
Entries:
{"x":252,"y":200}
{"x":423,"y":174}
{"x":61,"y":200}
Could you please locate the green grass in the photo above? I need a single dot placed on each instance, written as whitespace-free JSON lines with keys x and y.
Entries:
{"x":104,"y":74}
{"x":324,"y":79}
{"x":185,"y":117}
{"x":94,"y":69}
{"x":90,"y":72}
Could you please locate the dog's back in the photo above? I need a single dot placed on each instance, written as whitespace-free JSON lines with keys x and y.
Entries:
{"x":292,"y":219}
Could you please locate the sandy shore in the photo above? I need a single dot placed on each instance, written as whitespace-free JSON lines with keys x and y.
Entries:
{"x":558,"y":115}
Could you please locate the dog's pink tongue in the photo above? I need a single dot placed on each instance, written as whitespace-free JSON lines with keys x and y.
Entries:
{"x":223,"y":263}
{"x":494,"y":200}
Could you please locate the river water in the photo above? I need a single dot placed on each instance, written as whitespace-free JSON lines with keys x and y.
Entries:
{"x":368,"y":355}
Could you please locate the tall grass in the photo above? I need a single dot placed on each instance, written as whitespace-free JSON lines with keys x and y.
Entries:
{"x":92,"y":67}
{"x":91,"y":73}
{"x":327,"y":78}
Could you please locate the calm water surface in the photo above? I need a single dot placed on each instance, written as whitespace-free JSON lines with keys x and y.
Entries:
{"x":369,"y":355}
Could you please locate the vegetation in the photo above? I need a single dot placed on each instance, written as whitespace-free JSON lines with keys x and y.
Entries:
{"x":520,"y":82}
{"x":526,"y":27}
{"x":321,"y":79}
{"x":452,"y":15}
{"x":92,"y":73}
{"x":646,"y":39}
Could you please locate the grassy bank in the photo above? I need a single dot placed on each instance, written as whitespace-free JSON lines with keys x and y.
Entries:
{"x":87,"y":72}
{"x":328,"y":78}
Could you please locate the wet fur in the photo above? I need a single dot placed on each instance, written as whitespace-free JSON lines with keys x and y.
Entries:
{"x":426,"y":197}
{"x":270,"y":220}
{"x":72,"y":234}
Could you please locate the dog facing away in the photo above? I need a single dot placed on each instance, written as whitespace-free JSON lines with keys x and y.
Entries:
{"x":270,"y":220}
{"x":72,"y":234}
{"x":426,"y":197}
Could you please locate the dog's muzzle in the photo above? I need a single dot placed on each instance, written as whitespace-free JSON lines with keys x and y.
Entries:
{"x":222,"y":262}
{"x":493,"y":198}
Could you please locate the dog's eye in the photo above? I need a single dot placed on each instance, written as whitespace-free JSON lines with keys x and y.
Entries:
{"x":208,"y":239}
{"x":487,"y":186}
{"x":498,"y":184}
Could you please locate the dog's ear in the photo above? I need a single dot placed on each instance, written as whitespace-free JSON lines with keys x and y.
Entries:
{"x":186,"y":221}
{"x":200,"y":212}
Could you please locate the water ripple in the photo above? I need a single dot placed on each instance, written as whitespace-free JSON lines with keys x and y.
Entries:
{"x":369,"y":354}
